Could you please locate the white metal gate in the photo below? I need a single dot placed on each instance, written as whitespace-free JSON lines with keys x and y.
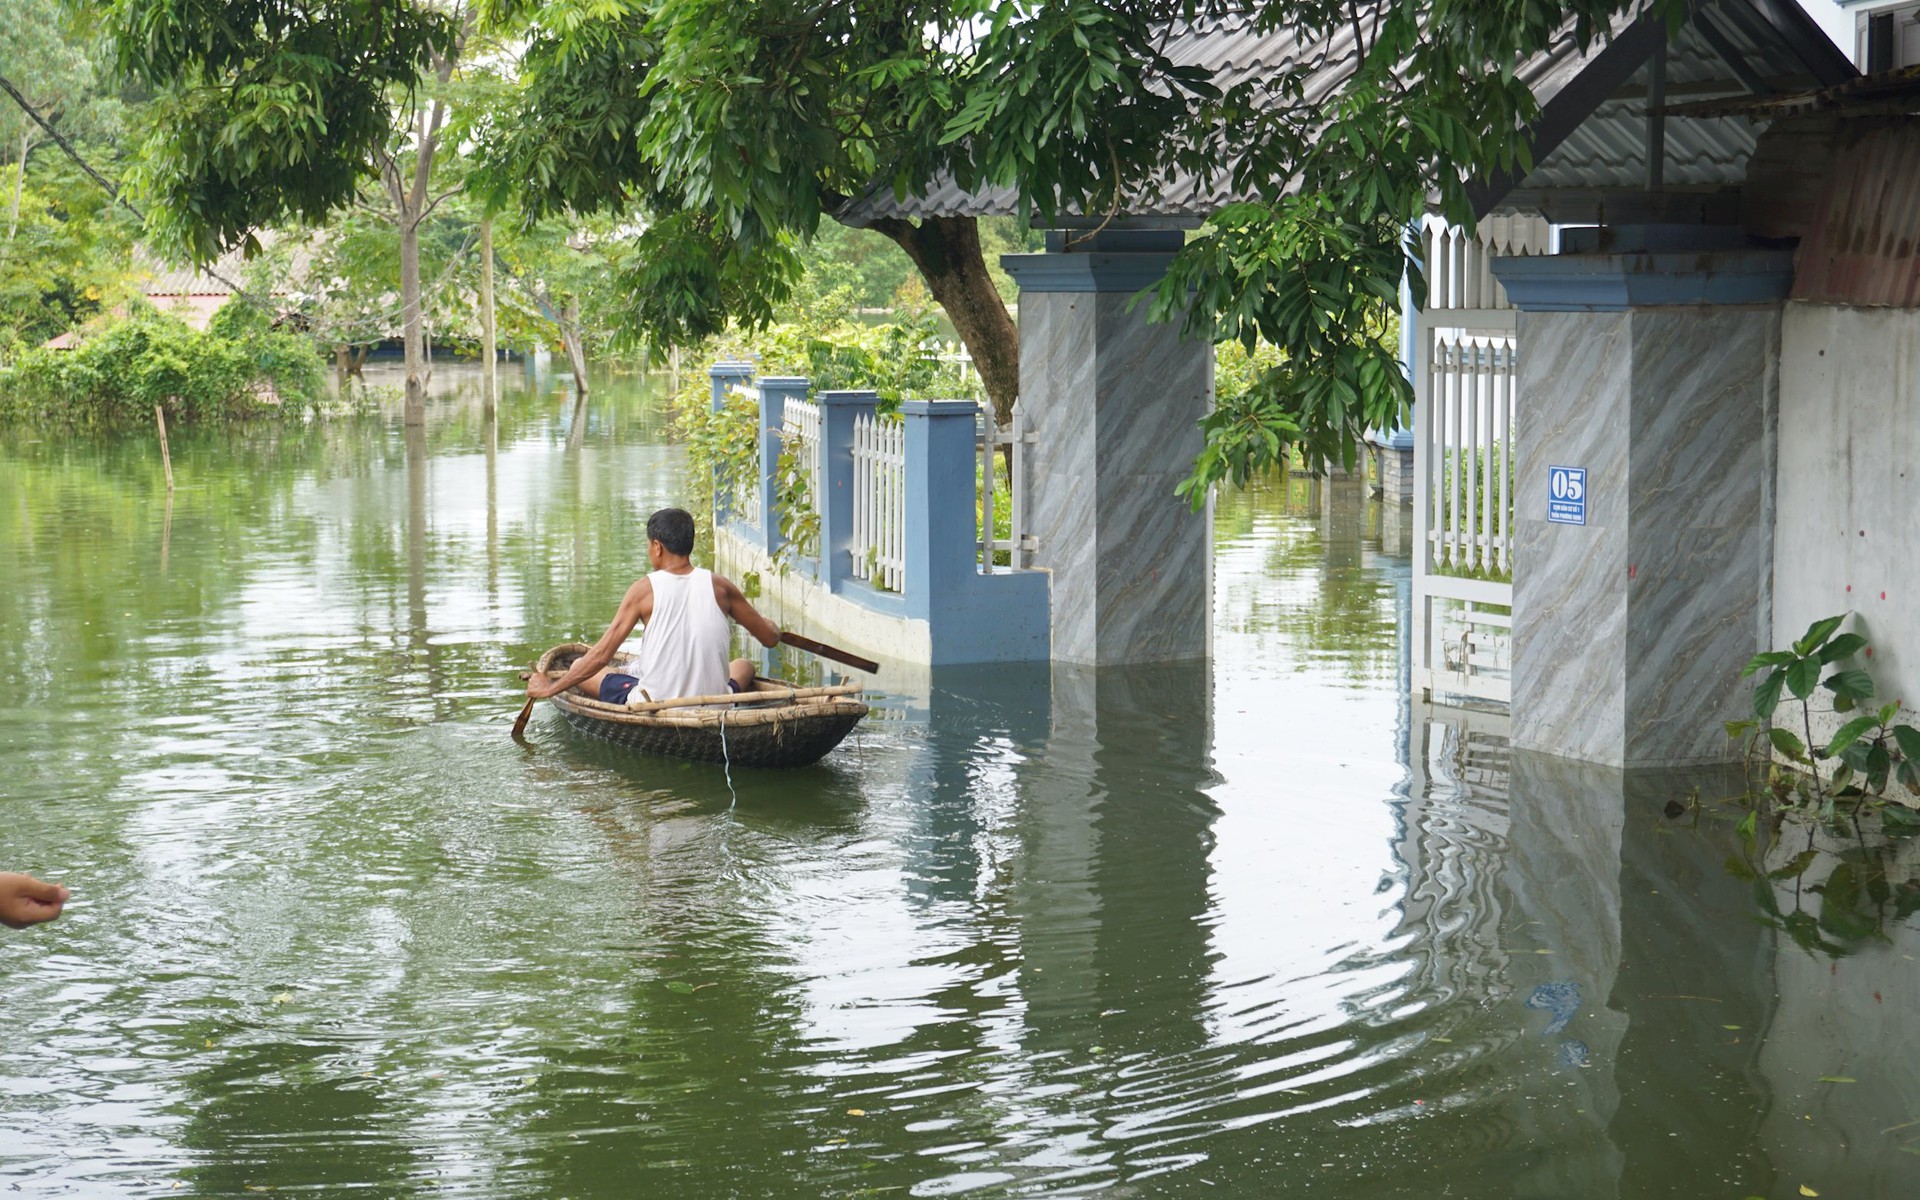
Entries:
{"x":1464,"y":373}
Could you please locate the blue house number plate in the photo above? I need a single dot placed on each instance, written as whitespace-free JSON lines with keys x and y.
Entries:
{"x":1567,"y":495}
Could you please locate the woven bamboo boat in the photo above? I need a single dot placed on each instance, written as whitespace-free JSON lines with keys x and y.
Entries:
{"x":778,"y":725}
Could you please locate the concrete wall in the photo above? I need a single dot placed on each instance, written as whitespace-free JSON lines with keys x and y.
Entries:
{"x":1848,"y":533}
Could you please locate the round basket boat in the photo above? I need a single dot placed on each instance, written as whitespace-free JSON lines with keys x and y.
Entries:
{"x":791,"y":727}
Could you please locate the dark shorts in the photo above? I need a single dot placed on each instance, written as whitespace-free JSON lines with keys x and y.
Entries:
{"x":614,"y":689}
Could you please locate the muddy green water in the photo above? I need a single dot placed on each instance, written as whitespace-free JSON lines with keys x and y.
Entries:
{"x":1256,"y":929}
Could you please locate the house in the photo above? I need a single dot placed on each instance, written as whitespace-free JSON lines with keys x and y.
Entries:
{"x":1887,"y":34}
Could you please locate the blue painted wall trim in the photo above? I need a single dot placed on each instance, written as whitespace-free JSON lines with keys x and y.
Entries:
{"x":1618,"y":282}
{"x":971,"y":617}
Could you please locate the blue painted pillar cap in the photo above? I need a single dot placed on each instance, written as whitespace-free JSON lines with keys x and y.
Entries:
{"x":725,"y":375}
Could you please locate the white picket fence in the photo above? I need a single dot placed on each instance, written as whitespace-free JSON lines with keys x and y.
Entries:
{"x":1465,"y":380}
{"x":1470,"y":448}
{"x":801,"y":419}
{"x":998,"y":448}
{"x":953,"y":354}
{"x":880,"y":501}
{"x":1459,"y":262}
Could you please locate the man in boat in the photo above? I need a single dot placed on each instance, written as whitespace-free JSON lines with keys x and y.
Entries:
{"x":687,"y":612}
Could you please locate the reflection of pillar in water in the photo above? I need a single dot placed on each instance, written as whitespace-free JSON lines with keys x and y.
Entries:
{"x":1562,"y":929}
{"x":969,"y":709}
{"x":1112,"y":885}
{"x":1695,"y":983}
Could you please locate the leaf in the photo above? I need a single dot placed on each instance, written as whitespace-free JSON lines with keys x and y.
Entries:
{"x":1802,"y":677}
{"x":1837,"y":1079}
{"x":1908,"y":739}
{"x":681,"y":986}
{"x":1766,"y":694}
{"x":1850,"y":733}
{"x":1772,"y":658}
{"x":1807,"y":1191}
{"x":1818,"y":633}
{"x":1746,"y":827}
{"x":1788,"y":743}
{"x":1853,"y":685}
{"x":1844,"y":646}
{"x":856,"y":1112}
{"x":1794,"y":867}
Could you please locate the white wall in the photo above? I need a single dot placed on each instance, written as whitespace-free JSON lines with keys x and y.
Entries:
{"x":1836,"y":21}
{"x":1847,"y":537}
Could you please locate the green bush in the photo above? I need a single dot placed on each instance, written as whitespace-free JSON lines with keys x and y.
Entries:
{"x":118,"y":375}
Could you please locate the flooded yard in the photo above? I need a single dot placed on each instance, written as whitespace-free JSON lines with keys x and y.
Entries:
{"x":1264,"y":927}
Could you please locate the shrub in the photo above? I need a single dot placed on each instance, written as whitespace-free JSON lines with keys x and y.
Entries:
{"x":118,"y":375}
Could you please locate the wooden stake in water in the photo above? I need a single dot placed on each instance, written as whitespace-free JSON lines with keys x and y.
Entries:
{"x":166,"y":455}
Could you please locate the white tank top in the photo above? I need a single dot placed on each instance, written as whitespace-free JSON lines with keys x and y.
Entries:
{"x":684,"y":649}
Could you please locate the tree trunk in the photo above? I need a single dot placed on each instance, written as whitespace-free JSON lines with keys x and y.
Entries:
{"x":571,"y":339}
{"x":359,"y":360}
{"x":19,"y":185}
{"x":342,"y":363}
{"x":947,"y":251}
{"x":489,"y":350}
{"x":412,"y":328}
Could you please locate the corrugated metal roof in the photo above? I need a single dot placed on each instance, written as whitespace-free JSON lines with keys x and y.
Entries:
{"x":1864,"y":244}
{"x":1775,"y":43}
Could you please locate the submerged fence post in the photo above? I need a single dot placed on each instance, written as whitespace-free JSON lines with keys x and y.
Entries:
{"x":941,"y":536}
{"x":774,"y":391}
{"x":166,"y":455}
{"x":838,"y":410}
{"x":725,"y":376}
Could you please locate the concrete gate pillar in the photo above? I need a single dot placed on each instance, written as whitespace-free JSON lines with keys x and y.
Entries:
{"x":1115,"y":403}
{"x":1644,"y":429}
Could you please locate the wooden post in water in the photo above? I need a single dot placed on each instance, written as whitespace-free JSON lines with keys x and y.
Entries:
{"x":166,"y":455}
{"x":489,"y":350}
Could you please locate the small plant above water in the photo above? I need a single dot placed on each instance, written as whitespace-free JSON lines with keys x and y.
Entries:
{"x":1863,"y":759}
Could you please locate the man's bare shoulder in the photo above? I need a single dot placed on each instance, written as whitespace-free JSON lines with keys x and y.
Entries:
{"x":724,"y":588}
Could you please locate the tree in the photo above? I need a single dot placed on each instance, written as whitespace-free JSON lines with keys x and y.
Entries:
{"x":739,"y":127}
{"x":754,"y":120}
{"x":52,"y":73}
{"x":271,"y":112}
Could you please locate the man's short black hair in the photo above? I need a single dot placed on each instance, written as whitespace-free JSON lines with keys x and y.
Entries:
{"x":673,"y":529}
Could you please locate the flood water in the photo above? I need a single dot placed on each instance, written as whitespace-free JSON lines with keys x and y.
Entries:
{"x":1260,"y":928}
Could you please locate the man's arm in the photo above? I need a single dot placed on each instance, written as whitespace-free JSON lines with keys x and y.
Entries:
{"x":734,"y":603}
{"x":633,"y":607}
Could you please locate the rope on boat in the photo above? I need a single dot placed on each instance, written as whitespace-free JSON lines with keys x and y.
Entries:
{"x":726,"y":763}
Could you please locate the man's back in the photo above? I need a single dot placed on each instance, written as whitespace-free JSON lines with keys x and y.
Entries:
{"x":683,"y":651}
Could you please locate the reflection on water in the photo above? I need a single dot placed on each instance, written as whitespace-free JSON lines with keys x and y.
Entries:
{"x":1250,"y":928}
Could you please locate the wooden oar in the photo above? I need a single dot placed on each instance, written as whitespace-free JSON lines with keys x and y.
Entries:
{"x":520,"y":722}
{"x":833,"y":652}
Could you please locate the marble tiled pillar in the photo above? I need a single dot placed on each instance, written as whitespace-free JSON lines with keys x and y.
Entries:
{"x":1629,"y":631}
{"x":1116,"y":402}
